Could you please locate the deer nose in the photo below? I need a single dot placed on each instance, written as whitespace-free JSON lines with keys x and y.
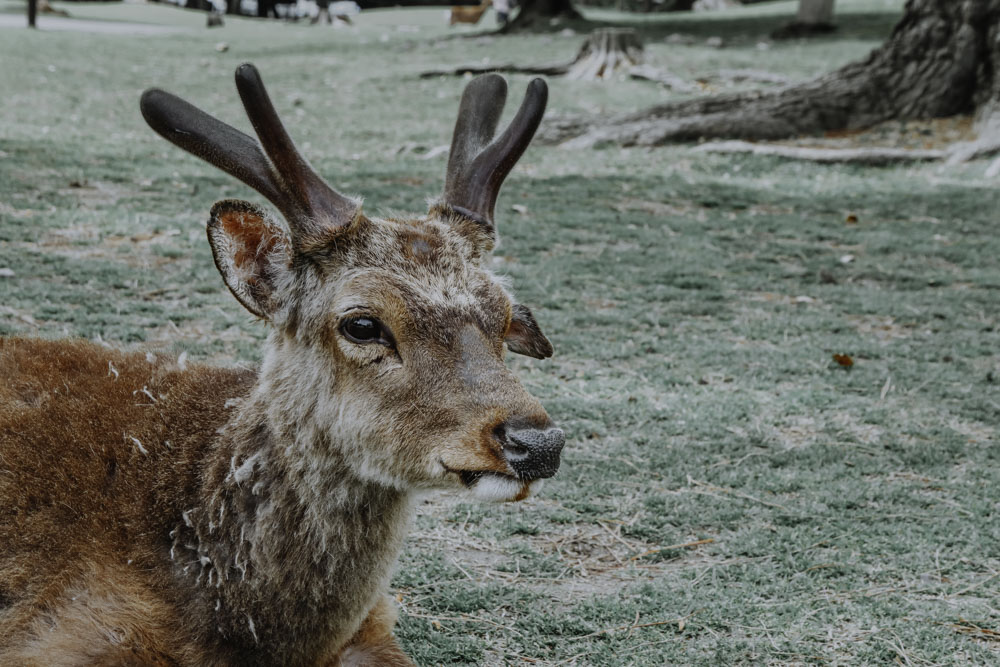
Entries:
{"x":532,"y":452}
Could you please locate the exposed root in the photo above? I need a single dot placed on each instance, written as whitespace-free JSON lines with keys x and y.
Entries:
{"x":555,"y":69}
{"x":663,"y":77}
{"x":940,"y":61}
{"x":987,"y":144}
{"x":868,"y":156}
{"x":754,"y":75}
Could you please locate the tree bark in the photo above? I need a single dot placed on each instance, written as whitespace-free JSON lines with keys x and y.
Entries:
{"x":815,"y":17}
{"x":606,"y":52}
{"x":942,"y":59}
{"x":812,"y":12}
{"x":538,"y":15}
{"x":672,"y":6}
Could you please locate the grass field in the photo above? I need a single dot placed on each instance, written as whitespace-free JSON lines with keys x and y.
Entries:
{"x":827,"y":515}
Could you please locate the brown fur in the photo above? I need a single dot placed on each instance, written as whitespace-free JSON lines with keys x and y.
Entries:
{"x":74,"y":483}
{"x":114,"y":468}
{"x":468,"y":14}
{"x":158,"y":513}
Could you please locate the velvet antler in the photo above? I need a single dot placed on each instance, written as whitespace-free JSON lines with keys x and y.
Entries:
{"x":279,"y":172}
{"x":478,"y":164}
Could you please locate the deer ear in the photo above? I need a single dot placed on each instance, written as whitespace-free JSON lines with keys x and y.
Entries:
{"x":524,"y":335}
{"x":251,"y":253}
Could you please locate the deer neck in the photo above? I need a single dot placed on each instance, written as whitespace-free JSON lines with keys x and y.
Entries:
{"x":288,"y":547}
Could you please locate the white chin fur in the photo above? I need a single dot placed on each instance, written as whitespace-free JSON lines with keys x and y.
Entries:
{"x":493,"y":488}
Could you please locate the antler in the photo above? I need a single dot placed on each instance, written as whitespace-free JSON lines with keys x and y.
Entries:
{"x":477,"y":164}
{"x":279,"y":172}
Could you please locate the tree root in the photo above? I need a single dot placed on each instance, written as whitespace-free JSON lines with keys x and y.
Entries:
{"x":957,"y":153}
{"x":867,"y":156}
{"x":986,"y":145}
{"x":555,"y":69}
{"x":941,"y":60}
{"x":993,"y":170}
{"x":662,"y":77}
{"x":755,"y":75}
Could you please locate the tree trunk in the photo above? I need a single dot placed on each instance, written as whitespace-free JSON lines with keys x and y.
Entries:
{"x":32,"y":12}
{"x":606,"y":52}
{"x":813,"y":12}
{"x":942,"y":59}
{"x":673,"y":6}
{"x":815,"y":17}
{"x":540,"y":15}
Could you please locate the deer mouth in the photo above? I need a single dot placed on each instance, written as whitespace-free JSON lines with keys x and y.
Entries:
{"x":495,"y":486}
{"x":471,"y":477}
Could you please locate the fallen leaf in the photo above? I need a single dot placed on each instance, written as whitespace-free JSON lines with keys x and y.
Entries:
{"x":844,"y":360}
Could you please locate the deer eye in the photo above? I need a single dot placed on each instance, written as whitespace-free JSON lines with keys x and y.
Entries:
{"x":364,"y":330}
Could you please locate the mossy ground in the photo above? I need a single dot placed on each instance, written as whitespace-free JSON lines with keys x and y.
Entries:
{"x":845,"y":516}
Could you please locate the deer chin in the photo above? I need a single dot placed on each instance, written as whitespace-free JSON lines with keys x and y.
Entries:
{"x":503,"y":489}
{"x":491,"y":486}
{"x":498,"y":488}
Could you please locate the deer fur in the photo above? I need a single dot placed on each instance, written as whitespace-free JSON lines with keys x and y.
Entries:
{"x":468,"y":13}
{"x":159,"y":512}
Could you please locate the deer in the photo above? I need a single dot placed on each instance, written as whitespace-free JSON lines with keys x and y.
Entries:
{"x":468,"y":13}
{"x":156,"y":511}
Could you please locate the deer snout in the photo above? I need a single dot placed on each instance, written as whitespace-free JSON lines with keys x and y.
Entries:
{"x":533,"y":453}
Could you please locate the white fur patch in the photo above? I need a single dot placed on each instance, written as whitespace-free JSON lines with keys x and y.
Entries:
{"x":253,"y":631}
{"x":496,"y":489}
{"x":138,"y":444}
{"x":242,"y":474}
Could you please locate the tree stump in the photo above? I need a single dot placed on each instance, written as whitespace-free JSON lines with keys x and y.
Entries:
{"x":605,"y":52}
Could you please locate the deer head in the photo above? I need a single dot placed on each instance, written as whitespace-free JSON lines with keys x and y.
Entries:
{"x":389,"y":335}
